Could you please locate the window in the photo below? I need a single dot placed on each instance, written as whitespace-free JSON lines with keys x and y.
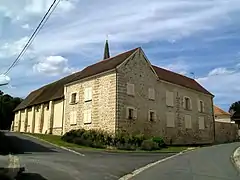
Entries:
{"x":130,"y":89}
{"x":201,"y":123}
{"x":151,"y":93}
{"x":88,"y":94}
{"x":73,"y":98}
{"x":87,"y":116}
{"x":169,"y":98}
{"x":151,"y":115}
{"x":131,"y":113}
{"x":188,"y":122}
{"x":200,"y":106}
{"x":187,"y":104}
{"x":47,"y":106}
{"x":170,"y":119}
{"x":73,"y":118}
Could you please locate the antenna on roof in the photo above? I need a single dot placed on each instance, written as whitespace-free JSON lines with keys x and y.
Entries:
{"x":193,"y":75}
{"x":106,"y":50}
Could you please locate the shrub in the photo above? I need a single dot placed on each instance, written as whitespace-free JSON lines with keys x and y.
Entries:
{"x":126,"y":146}
{"x":149,"y":145}
{"x":159,"y":141}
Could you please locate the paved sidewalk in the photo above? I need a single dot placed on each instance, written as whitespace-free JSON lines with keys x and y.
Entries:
{"x":209,"y":163}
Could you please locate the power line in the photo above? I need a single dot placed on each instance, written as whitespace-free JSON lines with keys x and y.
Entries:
{"x":34,"y":34}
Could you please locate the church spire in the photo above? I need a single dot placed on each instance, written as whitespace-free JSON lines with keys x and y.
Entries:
{"x":106,"y":51}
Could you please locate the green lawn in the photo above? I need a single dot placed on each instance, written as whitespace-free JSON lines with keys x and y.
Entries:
{"x":57,"y":140}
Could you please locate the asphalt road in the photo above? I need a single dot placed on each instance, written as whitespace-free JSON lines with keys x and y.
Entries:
{"x":46,"y":162}
{"x":209,"y":163}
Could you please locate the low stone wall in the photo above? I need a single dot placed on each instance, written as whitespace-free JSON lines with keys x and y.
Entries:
{"x":225,"y":132}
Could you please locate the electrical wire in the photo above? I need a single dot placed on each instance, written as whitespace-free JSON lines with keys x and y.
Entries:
{"x":34,"y":34}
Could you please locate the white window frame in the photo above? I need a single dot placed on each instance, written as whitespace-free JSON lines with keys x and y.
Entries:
{"x":134,"y":115}
{"x":184,"y":103}
{"x":151,"y":93}
{"x":201,"y":109}
{"x":170,"y":123}
{"x":88,"y":94}
{"x":154,"y":115}
{"x":170,"y":102}
{"x":130,"y":89}
{"x":188,"y":125}
{"x":201,"y":122}
{"x":87,"y":116}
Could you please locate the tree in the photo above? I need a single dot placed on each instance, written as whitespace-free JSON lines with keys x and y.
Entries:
{"x":7,"y":105}
{"x":235,"y":107}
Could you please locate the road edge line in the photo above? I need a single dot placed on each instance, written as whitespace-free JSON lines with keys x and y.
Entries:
{"x":141,"y":169}
{"x":64,"y":148}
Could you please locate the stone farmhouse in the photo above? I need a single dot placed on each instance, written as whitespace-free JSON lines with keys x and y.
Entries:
{"x":124,"y":93}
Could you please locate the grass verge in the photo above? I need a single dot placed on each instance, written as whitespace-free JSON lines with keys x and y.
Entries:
{"x":54,"y":139}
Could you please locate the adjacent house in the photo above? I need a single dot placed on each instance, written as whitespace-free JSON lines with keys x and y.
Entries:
{"x":221,"y":115}
{"x":124,"y":93}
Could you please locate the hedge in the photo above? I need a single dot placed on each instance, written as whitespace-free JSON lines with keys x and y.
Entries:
{"x":101,"y":139}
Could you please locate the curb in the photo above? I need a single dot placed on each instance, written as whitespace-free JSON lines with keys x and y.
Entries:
{"x":64,"y":148}
{"x":137,"y":171}
{"x":236,"y":158}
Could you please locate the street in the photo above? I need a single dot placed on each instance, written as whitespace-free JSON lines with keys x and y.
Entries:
{"x":208,"y":163}
{"x":53,"y":163}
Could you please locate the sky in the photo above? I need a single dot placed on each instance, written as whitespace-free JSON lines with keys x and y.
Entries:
{"x":199,"y":39}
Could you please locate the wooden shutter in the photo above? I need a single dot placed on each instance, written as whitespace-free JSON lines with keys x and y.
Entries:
{"x":130,"y":89}
{"x":77,"y":97}
{"x":201,"y":123}
{"x":135,"y":113}
{"x":169,"y":98}
{"x":199,"y":106}
{"x":190,"y":104}
{"x":170,"y":119}
{"x":188,"y":122}
{"x":151,"y":93}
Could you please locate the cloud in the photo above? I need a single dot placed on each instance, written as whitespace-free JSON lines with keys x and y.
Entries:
{"x":53,"y":66}
{"x":220,"y":71}
{"x":4,"y":79}
{"x":25,"y":26}
{"x":178,"y":67}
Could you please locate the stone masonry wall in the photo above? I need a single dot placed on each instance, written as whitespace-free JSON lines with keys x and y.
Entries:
{"x":225,"y":132}
{"x":103,"y":104}
{"x":138,"y":72}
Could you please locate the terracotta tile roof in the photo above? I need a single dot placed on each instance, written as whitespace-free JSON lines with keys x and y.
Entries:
{"x":55,"y":90}
{"x":219,"y":111}
{"x":179,"y":79}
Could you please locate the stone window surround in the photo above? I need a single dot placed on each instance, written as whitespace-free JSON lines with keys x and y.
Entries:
{"x":134,"y":113}
{"x":151,"y":94}
{"x":129,"y":86}
{"x":90,"y":99}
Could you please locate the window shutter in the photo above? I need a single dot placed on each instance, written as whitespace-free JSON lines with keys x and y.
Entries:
{"x":190,"y":104}
{"x":201,"y":123}
{"x":188,"y":122}
{"x":85,"y":94}
{"x":70,"y":99}
{"x":90,"y":93}
{"x":127,"y":113}
{"x":151,"y":93}
{"x":135,"y":113}
{"x":71,"y":117}
{"x":203,"y":107}
{"x":130,"y":89}
{"x":199,"y":106}
{"x":169,"y":98}
{"x":89,"y":116}
{"x":170,"y":119}
{"x":184,"y":103}
{"x":77,"y":97}
{"x":85,"y":116}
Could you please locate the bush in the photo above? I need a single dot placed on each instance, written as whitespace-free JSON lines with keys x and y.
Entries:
{"x":101,"y":139}
{"x":159,"y":141}
{"x":149,"y":145}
